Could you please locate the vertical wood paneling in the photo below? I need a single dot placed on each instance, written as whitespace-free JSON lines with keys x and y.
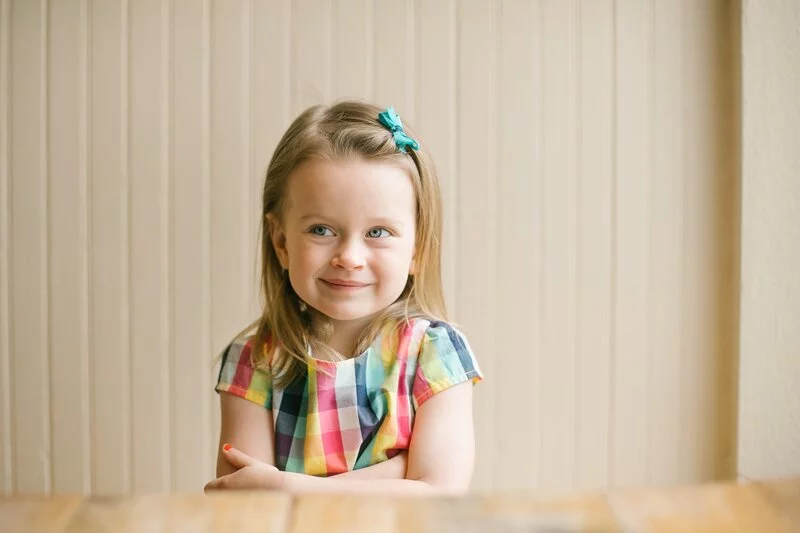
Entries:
{"x":558,"y":247}
{"x":109,"y":285}
{"x":710,"y":200}
{"x":538,"y":203}
{"x":696,"y":253}
{"x":166,"y":263}
{"x":393,"y":30}
{"x":192,"y":464}
{"x":231,"y":253}
{"x":248,"y":198}
{"x":595,"y":63}
{"x":518,"y":244}
{"x":311,"y":53}
{"x":768,"y":110}
{"x":631,"y":321}
{"x":270,"y":116}
{"x":436,"y":126}
{"x":666,"y":229}
{"x":477,"y":177}
{"x":725,"y":57}
{"x":6,"y":470}
{"x":149,"y":200}
{"x":68,"y":246}
{"x":728,"y":177}
{"x":206,"y":184}
{"x":353,"y":32}
{"x":28,"y":274}
{"x":205,"y":178}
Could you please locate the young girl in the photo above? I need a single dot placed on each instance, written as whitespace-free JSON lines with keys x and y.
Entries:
{"x":352,"y":380}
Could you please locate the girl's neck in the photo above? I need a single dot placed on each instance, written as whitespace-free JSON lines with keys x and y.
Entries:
{"x":346,"y":334}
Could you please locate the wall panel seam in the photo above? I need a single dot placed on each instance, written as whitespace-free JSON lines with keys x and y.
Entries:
{"x":44,"y":242}
{"x":5,"y":246}
{"x":87,"y":408}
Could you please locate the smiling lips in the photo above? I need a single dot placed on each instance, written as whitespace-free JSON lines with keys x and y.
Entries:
{"x":343,"y":284}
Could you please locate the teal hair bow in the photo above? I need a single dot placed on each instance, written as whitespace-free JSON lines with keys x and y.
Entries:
{"x":392,"y":123}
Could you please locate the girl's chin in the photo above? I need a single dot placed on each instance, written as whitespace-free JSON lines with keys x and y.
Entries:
{"x":345,"y":315}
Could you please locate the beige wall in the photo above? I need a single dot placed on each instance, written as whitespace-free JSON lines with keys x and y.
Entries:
{"x":769,"y":420}
{"x":588,"y":153}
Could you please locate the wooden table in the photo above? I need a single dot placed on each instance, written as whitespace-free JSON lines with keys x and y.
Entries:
{"x":762,"y":507}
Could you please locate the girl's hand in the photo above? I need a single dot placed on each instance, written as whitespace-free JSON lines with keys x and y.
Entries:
{"x":251,"y":474}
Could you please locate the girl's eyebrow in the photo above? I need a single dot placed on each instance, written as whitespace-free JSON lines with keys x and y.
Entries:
{"x":315,"y":216}
{"x":386,"y":222}
{"x":379,"y":221}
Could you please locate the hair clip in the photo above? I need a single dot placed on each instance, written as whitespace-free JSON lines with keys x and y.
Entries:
{"x":391,"y":121}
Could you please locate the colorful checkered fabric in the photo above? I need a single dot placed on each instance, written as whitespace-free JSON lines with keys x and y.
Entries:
{"x":354,"y":413}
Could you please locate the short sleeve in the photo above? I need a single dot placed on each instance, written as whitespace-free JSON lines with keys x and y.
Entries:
{"x":237,"y":375}
{"x":445,"y":359}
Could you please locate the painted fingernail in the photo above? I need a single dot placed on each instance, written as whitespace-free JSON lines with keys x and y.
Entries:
{"x":227,"y":447}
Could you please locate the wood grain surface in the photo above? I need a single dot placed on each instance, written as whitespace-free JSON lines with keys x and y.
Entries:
{"x":764,"y":507}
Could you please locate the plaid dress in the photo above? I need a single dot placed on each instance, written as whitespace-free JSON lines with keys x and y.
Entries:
{"x":358,"y":412}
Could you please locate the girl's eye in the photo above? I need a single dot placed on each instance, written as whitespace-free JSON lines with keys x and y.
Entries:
{"x":378,"y":233}
{"x":320,"y":231}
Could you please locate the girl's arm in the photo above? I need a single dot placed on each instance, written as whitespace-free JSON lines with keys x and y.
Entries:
{"x":440,"y":458}
{"x":247,"y":426}
{"x":394,"y":468}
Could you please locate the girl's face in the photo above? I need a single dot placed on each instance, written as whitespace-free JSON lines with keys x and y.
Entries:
{"x":347,"y":236}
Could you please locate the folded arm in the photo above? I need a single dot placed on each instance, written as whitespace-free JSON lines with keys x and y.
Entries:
{"x":248,"y":427}
{"x":440,"y":458}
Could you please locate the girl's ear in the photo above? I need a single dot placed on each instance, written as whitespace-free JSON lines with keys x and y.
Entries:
{"x":412,"y":269}
{"x":278,"y":238}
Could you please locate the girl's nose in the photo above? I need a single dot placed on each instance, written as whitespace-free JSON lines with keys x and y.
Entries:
{"x":349,"y":256}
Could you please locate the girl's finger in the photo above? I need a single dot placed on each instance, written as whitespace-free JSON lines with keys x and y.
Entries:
{"x":236,"y":458}
{"x":212,"y":485}
{"x":222,"y":483}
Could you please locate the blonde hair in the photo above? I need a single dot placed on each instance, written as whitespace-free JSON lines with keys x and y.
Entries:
{"x":345,"y":131}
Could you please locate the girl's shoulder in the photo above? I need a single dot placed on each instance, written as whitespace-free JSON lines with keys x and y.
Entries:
{"x":249,"y":348}
{"x":440,"y":328}
{"x":242,"y":373}
{"x":442,"y":357}
{"x":430,"y":334}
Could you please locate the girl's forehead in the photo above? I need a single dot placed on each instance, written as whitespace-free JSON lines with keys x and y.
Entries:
{"x":319,"y":168}
{"x":370,"y":186}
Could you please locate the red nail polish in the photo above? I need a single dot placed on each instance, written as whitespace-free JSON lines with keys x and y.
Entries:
{"x":227,"y":447}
